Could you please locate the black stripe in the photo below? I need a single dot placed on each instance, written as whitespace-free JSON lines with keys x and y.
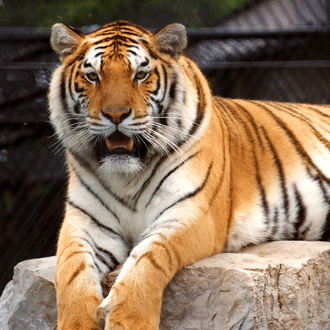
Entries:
{"x":120,"y":43}
{"x":74,"y":122}
{"x":172,"y":94}
{"x":172,"y":91}
{"x":97,"y":266}
{"x":83,"y":163}
{"x":295,"y":142}
{"x":318,"y":111}
{"x":98,"y":250}
{"x":123,"y":25}
{"x":110,"y":255}
{"x":70,"y":82}
{"x":145,"y":63}
{"x":151,"y":52}
{"x":230,"y":215}
{"x":117,"y":38}
{"x":168,"y":174}
{"x":101,"y":47}
{"x":122,"y":31}
{"x":78,"y":89}
{"x":99,"y":224}
{"x":251,"y":121}
{"x":326,"y":229}
{"x":301,"y":214}
{"x":150,"y":256}
{"x":178,"y":123}
{"x":87,"y":65}
{"x":137,"y":124}
{"x":303,"y":118}
{"x":280,"y":172}
{"x":89,"y":189}
{"x":319,"y":177}
{"x":97,"y":255}
{"x":79,"y":269}
{"x":224,"y":162}
{"x":75,"y":30}
{"x":275,"y":222}
{"x":249,"y":135}
{"x":325,"y":191}
{"x":200,"y":111}
{"x":77,"y":108}
{"x":155,"y":92}
{"x":63,"y":93}
{"x":145,"y":184}
{"x":189,"y":195}
{"x":131,"y":51}
{"x":158,"y":103}
{"x":165,"y":82}
{"x":163,"y":224}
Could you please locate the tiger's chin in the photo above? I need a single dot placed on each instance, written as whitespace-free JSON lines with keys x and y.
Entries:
{"x":120,"y":164}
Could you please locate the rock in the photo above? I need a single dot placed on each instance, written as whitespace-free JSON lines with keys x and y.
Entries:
{"x":29,"y":301}
{"x":277,"y":286}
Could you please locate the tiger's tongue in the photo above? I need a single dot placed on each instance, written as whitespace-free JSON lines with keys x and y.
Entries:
{"x":119,"y":140}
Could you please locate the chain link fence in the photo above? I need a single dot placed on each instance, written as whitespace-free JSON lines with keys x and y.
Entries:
{"x":267,"y":50}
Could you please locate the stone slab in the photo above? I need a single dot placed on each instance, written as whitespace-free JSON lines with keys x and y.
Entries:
{"x":275,"y":286}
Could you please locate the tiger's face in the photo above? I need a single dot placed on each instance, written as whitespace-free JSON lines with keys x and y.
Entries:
{"x":118,"y":116}
{"x":113,"y":87}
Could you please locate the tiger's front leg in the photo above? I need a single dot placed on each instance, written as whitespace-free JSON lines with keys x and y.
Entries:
{"x":134,"y":301}
{"x":81,"y":264}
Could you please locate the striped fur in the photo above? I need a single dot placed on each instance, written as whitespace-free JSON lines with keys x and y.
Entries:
{"x":204,"y":175}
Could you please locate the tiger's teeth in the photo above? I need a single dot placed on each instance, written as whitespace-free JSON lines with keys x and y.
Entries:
{"x":122,"y":144}
{"x":109,"y":144}
{"x":130,"y":144}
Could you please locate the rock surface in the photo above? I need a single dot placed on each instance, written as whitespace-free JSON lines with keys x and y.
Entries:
{"x":277,"y":286}
{"x":29,"y":301}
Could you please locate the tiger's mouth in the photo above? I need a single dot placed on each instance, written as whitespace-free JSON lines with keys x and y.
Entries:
{"x":119,"y":144}
{"x":119,"y":141}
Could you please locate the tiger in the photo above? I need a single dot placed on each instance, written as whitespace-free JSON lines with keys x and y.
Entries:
{"x":161,"y":173}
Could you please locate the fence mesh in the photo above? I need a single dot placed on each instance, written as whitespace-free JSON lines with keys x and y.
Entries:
{"x":266,"y":50}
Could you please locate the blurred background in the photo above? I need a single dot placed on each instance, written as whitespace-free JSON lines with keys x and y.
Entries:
{"x":256,"y":49}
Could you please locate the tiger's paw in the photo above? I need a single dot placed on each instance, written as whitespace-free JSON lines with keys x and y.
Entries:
{"x":129,"y":322}
{"x":127,"y":310}
{"x":78,"y":325}
{"x":125,"y":318}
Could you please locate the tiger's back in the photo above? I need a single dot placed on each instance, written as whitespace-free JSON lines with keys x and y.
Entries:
{"x":162,"y":173}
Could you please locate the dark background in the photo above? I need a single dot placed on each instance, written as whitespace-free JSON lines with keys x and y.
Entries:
{"x":267,"y":50}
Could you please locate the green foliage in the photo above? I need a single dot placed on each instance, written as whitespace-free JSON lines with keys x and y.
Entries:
{"x":44,"y":13}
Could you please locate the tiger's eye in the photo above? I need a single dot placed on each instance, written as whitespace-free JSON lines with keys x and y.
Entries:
{"x":92,"y":76}
{"x":140,"y":75}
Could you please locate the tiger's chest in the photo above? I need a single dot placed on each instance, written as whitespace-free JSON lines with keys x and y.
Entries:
{"x":129,"y":207}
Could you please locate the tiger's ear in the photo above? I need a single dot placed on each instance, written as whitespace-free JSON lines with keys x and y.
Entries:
{"x":172,"y":39}
{"x":65,"y":39}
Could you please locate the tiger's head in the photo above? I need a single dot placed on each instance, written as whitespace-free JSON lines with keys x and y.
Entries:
{"x":119,"y":96}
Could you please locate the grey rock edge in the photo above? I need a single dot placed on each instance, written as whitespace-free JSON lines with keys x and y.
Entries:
{"x":278,"y":285}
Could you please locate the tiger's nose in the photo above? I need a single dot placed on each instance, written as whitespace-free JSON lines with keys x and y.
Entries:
{"x":116,"y":116}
